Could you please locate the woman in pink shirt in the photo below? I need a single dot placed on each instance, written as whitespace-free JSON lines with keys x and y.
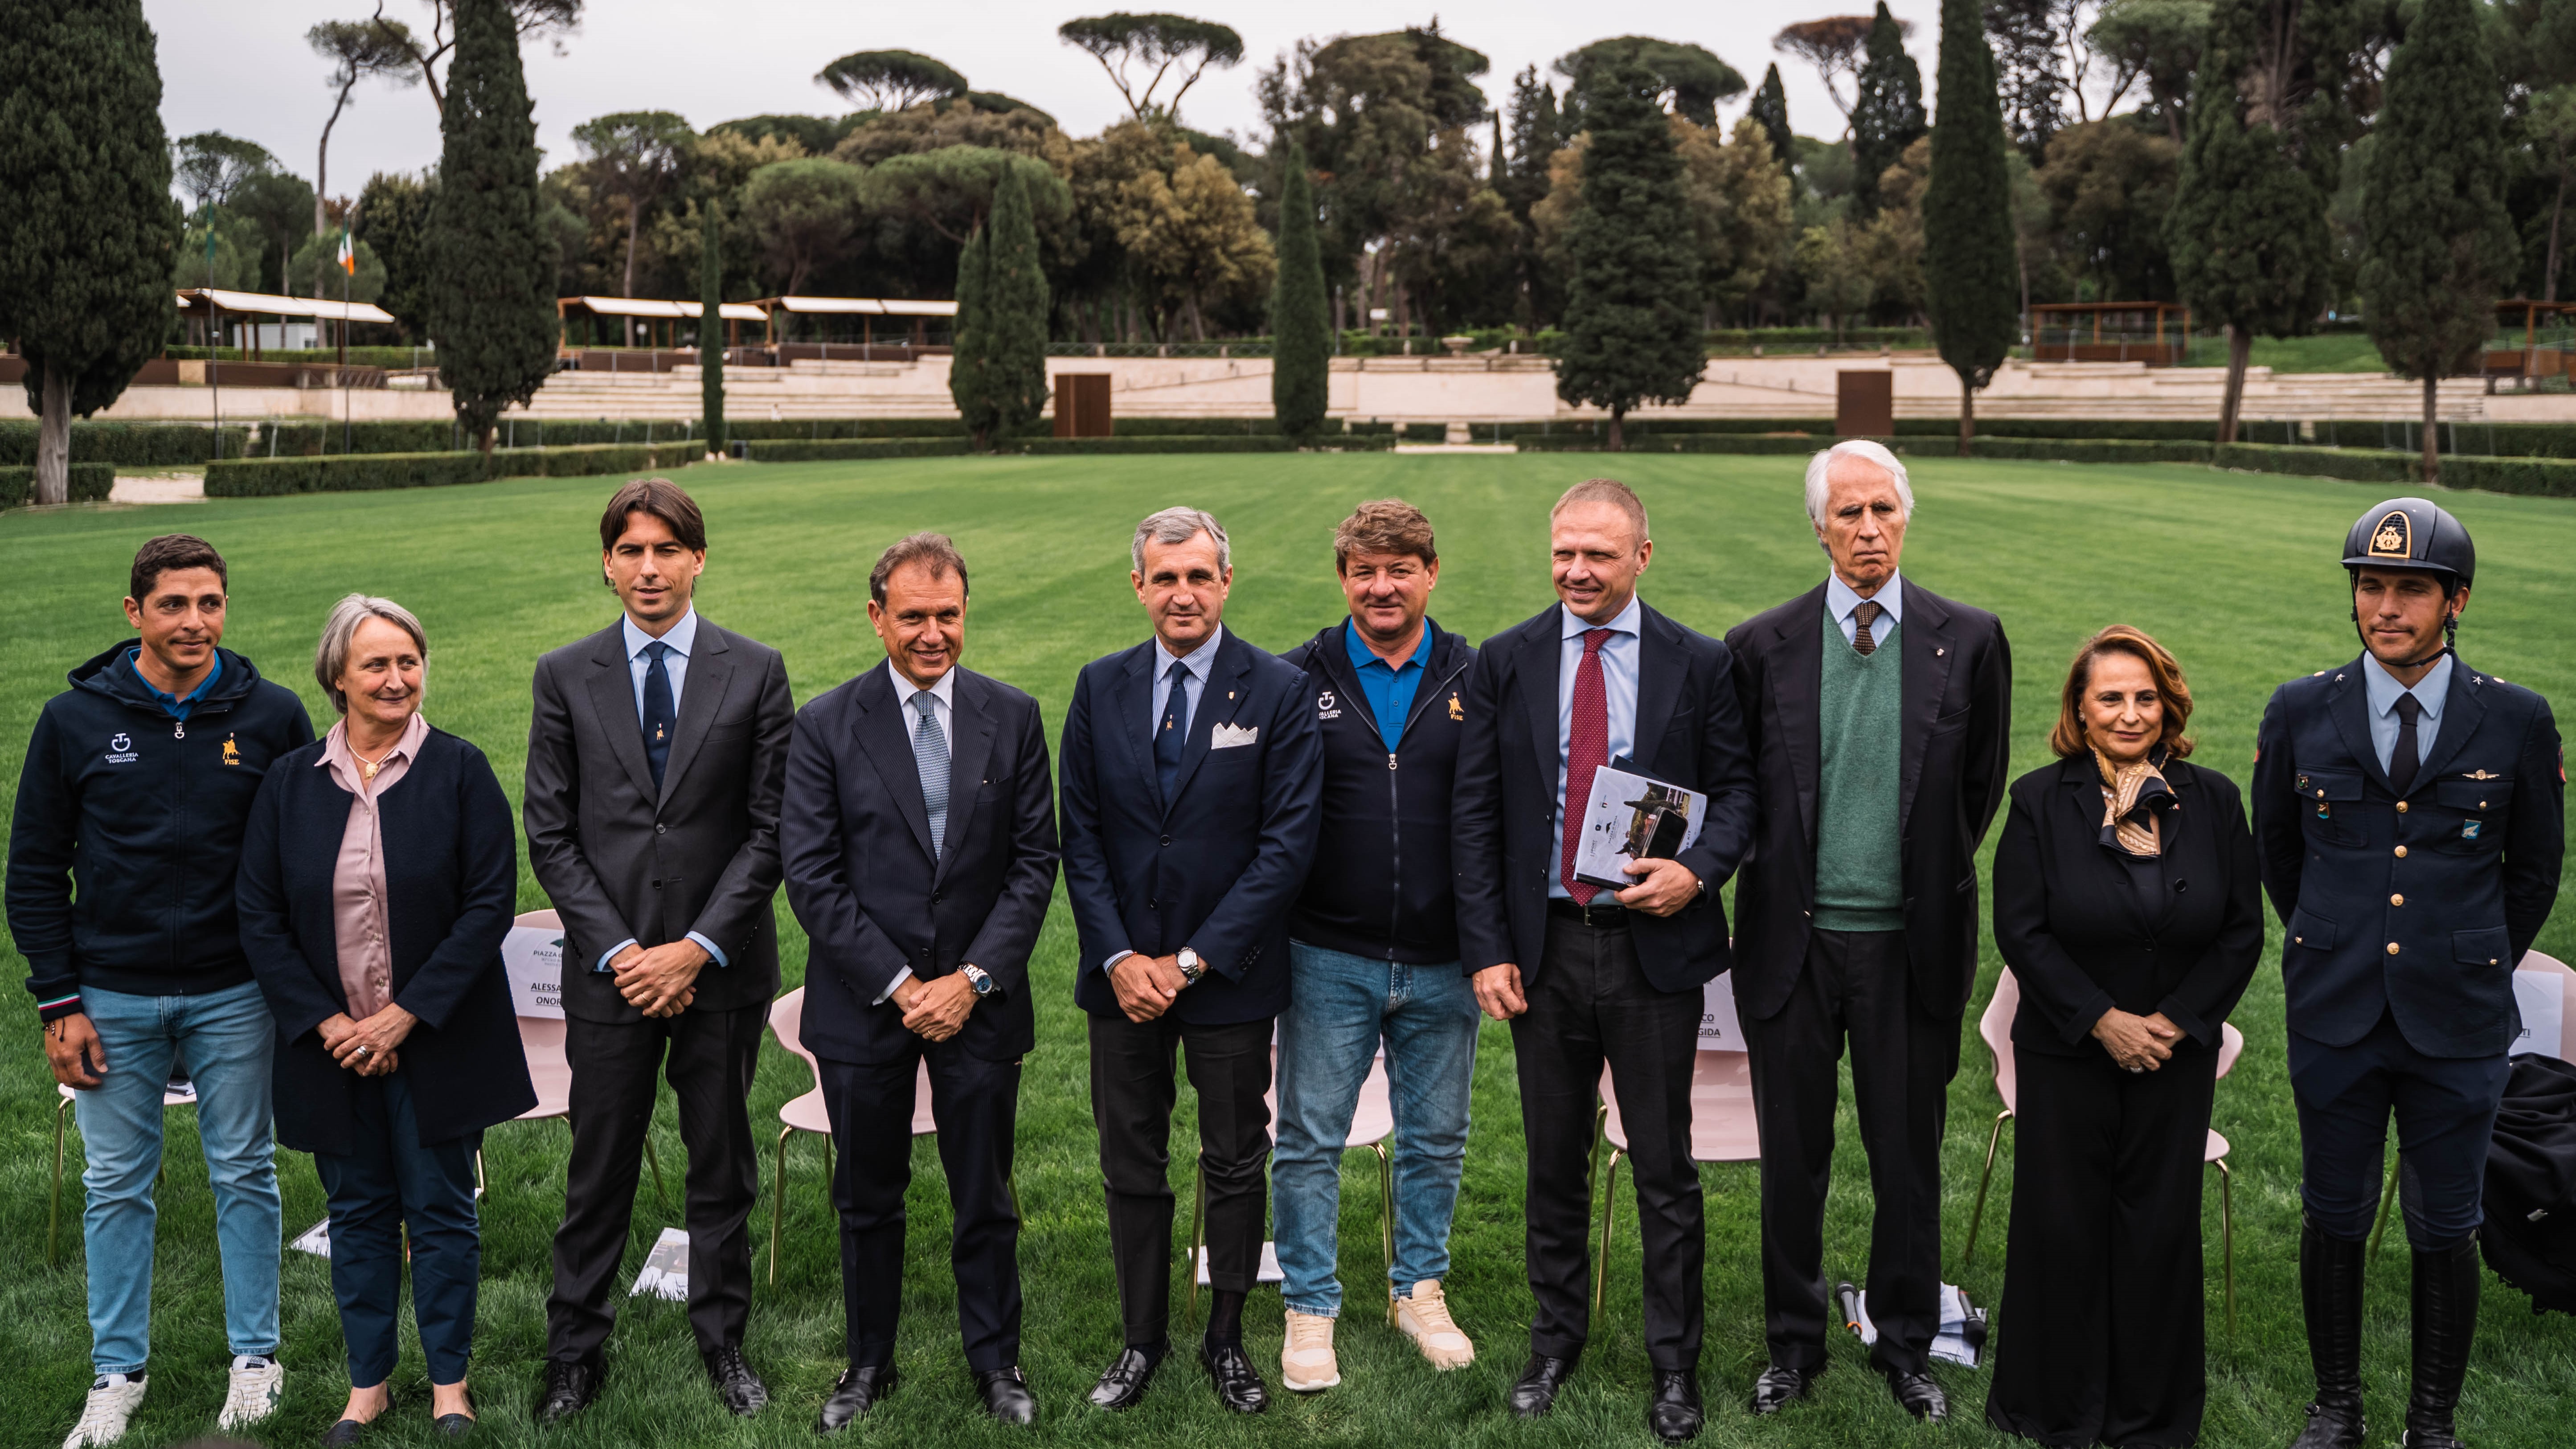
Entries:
{"x":379,"y":874}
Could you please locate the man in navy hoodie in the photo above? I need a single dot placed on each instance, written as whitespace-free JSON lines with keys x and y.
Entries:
{"x":120,"y":895}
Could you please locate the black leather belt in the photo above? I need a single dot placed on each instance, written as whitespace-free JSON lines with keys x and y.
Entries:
{"x":1599,"y":913}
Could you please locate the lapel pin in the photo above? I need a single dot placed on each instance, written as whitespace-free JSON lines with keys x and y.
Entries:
{"x":1939,"y":653}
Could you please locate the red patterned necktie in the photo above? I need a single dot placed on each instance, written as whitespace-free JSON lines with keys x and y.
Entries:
{"x":1587,"y":748}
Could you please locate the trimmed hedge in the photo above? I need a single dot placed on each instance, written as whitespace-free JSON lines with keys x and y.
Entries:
{"x":2494,"y":440}
{"x":2168,"y":430}
{"x":795,"y":450}
{"x":2353,"y":464}
{"x":132,"y":445}
{"x":2064,"y":450}
{"x":1272,"y":443}
{"x":366,"y":472}
{"x":89,"y":483}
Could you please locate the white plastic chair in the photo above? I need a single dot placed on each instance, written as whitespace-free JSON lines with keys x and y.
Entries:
{"x":1996,"y":1027}
{"x":1724,"y":1128}
{"x":806,"y":1113}
{"x":541,"y":1041}
{"x":1372,"y":1125}
{"x":62,"y":1111}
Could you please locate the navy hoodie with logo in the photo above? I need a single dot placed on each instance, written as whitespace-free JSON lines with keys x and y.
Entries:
{"x":128,"y":825}
{"x":1380,"y":886}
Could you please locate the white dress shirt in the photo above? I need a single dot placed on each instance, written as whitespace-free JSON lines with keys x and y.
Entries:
{"x":680,"y":639}
{"x":2431,"y":692}
{"x":905,"y":691}
{"x":1619,"y":659}
{"x":1840,"y":600}
{"x":1192,"y":670}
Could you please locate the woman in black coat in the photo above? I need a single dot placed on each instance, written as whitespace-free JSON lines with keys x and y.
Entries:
{"x":378,"y":875}
{"x":2128,"y":907}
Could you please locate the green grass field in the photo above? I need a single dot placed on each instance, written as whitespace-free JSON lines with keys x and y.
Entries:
{"x":2235,"y":573}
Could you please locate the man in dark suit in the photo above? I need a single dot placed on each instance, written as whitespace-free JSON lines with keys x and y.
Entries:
{"x":655,"y":760}
{"x":2411,"y":816}
{"x":918,"y":838}
{"x":1881,"y":718}
{"x":1192,"y":769}
{"x":1588,"y":976}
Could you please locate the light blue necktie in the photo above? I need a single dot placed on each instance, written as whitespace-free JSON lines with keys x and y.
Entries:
{"x":930,"y":753}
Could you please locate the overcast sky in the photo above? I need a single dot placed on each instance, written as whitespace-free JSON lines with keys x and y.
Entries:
{"x":242,"y":66}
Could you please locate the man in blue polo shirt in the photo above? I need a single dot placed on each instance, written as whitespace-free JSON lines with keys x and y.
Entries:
{"x":1373,"y":950}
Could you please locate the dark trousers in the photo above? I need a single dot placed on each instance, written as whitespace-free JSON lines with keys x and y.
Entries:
{"x":2100,"y":1334}
{"x":708,"y":1057}
{"x":1853,"y":985}
{"x":1132,"y":1091}
{"x":976,"y":1106}
{"x":2445,"y":1109}
{"x":386,"y":1184}
{"x":1590,"y":1005}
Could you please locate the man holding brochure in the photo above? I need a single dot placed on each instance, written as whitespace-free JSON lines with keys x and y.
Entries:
{"x":1590,"y":976}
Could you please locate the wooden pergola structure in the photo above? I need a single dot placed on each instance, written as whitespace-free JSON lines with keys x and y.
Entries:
{"x":213,"y":305}
{"x":2155,"y":333}
{"x":911,"y":317}
{"x":653,"y":312}
{"x":2532,"y":358}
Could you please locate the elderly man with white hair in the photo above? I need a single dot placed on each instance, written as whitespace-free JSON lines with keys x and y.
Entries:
{"x":1881,"y":721}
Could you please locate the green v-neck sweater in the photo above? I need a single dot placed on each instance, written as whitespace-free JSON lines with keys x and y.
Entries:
{"x":1860,"y":870}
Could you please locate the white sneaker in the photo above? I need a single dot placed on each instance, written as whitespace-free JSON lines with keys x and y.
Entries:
{"x":113,"y":1398}
{"x":258,"y":1385}
{"x":1424,"y":1318}
{"x":1306,"y":1362}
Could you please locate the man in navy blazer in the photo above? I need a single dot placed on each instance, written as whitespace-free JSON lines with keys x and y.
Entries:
{"x":918,"y":840}
{"x":1191,"y":779}
{"x":1588,"y":976}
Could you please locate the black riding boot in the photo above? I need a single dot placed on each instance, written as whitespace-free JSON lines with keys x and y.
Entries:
{"x":2330,"y":1291}
{"x":2446,"y":1319}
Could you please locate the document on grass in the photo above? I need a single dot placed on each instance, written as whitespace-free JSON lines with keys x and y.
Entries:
{"x":666,"y":1268}
{"x":1630,"y":817}
{"x":2542,"y":998}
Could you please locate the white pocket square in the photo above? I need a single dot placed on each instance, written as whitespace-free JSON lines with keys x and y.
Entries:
{"x":1226,"y":736}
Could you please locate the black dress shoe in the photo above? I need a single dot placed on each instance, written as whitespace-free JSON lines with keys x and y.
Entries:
{"x":1007,"y":1396}
{"x":1918,"y":1395}
{"x":1674,"y":1412}
{"x":1535,"y":1391}
{"x":1238,"y":1384}
{"x":858,"y":1390}
{"x":1122,"y":1384}
{"x":1780,"y":1386}
{"x":343,"y":1434}
{"x":568,"y":1390}
{"x":741,"y":1390}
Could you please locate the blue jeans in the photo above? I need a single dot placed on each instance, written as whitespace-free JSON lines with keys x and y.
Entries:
{"x":1338,"y":1007}
{"x":227,"y":1039}
{"x":389,"y":1183}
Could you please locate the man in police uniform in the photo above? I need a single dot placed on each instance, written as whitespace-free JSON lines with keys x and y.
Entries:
{"x":2409,"y":809}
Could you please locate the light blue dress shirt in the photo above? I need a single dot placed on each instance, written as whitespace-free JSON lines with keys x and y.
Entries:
{"x":2430,"y":691}
{"x":1619,"y":659}
{"x":682,"y":638}
{"x":1840,"y":601}
{"x":1192,"y":670}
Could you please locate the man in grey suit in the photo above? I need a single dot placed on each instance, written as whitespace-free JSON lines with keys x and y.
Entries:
{"x":656,"y":760}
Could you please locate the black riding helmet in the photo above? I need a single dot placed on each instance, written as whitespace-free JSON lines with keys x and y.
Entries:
{"x":2413,"y":533}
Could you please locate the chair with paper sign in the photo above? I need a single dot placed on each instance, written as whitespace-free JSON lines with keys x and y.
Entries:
{"x":1723,"y":1125}
{"x":806,"y":1113}
{"x":1372,"y":1124}
{"x":541,"y":1032}
{"x":1996,"y":1027}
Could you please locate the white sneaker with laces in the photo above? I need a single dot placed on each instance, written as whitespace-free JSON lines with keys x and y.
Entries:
{"x":113,"y":1398}
{"x":258,"y":1384}
{"x":1306,"y":1362}
{"x":1424,"y":1318}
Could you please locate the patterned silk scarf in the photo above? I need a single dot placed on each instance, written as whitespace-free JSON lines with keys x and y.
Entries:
{"x":2134,"y":799}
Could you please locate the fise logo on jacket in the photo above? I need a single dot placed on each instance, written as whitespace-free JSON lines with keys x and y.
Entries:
{"x":120,"y":750}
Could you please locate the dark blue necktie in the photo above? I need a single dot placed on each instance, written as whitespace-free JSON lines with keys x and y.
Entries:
{"x":1171,"y":737}
{"x":659,"y":721}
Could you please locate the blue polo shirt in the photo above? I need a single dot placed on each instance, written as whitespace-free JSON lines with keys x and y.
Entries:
{"x":1389,"y":690}
{"x":175,"y":706}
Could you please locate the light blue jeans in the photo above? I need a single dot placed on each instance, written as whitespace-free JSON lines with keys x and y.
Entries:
{"x":1339,"y":1006}
{"x":227,"y":1038}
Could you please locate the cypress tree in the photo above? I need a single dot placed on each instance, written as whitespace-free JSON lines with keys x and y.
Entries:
{"x":1887,"y":114}
{"x":711,"y":330}
{"x":88,"y":230}
{"x":966,"y":370}
{"x":1771,"y":108}
{"x":2437,"y":244}
{"x":2247,"y":232}
{"x":1969,"y":277}
{"x":1301,"y":344}
{"x":490,"y":284}
{"x":1014,"y":351}
{"x":1632,"y":307}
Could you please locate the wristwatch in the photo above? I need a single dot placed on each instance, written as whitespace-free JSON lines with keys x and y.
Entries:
{"x":1193,"y":966}
{"x":975,"y":977}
